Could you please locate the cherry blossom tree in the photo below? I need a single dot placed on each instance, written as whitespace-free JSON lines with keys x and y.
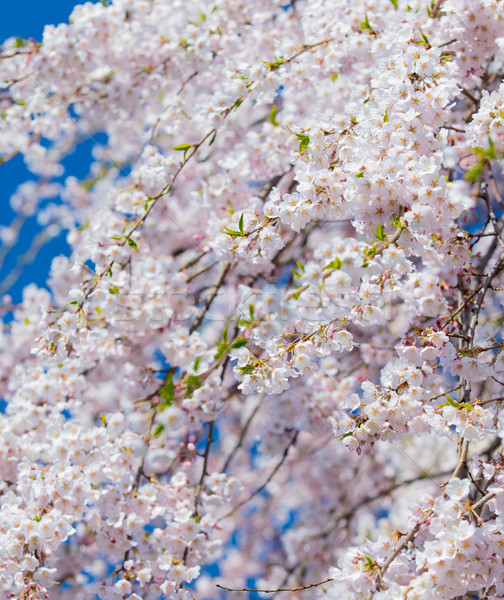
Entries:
{"x":272,"y":362}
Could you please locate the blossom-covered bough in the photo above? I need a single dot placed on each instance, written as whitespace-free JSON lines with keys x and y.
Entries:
{"x":273,"y":359}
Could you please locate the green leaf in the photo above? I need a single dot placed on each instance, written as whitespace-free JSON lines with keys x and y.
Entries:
{"x":278,"y":62}
{"x":300,"y":265}
{"x":239,"y":343}
{"x":240,"y":225}
{"x":167,"y":393}
{"x":394,"y":3}
{"x":247,"y":369}
{"x":385,"y":118}
{"x":334,"y":77}
{"x":272,"y":117}
{"x":397,"y":222}
{"x":335,"y":264}
{"x":232,"y":232}
{"x":365,"y":24}
{"x":225,"y":332}
{"x":158,"y":430}
{"x":361,"y":174}
{"x":380,"y":234}
{"x":193,"y":383}
{"x":83,"y":227}
{"x":183,"y":148}
{"x":145,"y":202}
{"x":213,"y":139}
{"x":222,"y":349}
{"x":132,"y":244}
{"x":475,"y":172}
{"x":114,"y":289}
{"x":370,"y":252}
{"x":304,"y":141}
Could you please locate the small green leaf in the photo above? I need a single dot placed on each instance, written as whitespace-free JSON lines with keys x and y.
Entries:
{"x":213,"y":139}
{"x":183,"y":148}
{"x":158,"y":430}
{"x":360,"y":174}
{"x":114,"y":289}
{"x":475,"y":172}
{"x":167,"y":393}
{"x":300,"y":265}
{"x":239,"y":343}
{"x":380,"y":234}
{"x":304,"y":141}
{"x":240,"y":225}
{"x":83,"y":227}
{"x":145,"y":202}
{"x":193,"y":383}
{"x":222,"y":349}
{"x":232,"y":232}
{"x":247,"y":369}
{"x":278,"y":62}
{"x":103,"y":419}
{"x":272,"y":117}
{"x":132,"y":244}
{"x":385,"y":118}
{"x":394,"y":3}
{"x":335,"y":264}
{"x":333,"y":77}
{"x":365,"y":24}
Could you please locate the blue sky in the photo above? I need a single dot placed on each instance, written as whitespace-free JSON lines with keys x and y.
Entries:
{"x":27,"y":19}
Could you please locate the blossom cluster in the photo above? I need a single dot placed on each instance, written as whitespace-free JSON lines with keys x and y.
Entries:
{"x":273,"y":356}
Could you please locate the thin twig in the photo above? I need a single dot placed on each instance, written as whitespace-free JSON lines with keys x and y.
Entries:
{"x":269,"y":478}
{"x":294,"y":589}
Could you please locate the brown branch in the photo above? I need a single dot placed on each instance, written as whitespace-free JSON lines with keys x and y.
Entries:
{"x":368,"y":499}
{"x":211,"y":296}
{"x":398,"y":549}
{"x":294,"y":589}
{"x":269,"y":478}
{"x":201,"y":271}
{"x":482,"y":501}
{"x":243,"y":433}
{"x":204,"y":472}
